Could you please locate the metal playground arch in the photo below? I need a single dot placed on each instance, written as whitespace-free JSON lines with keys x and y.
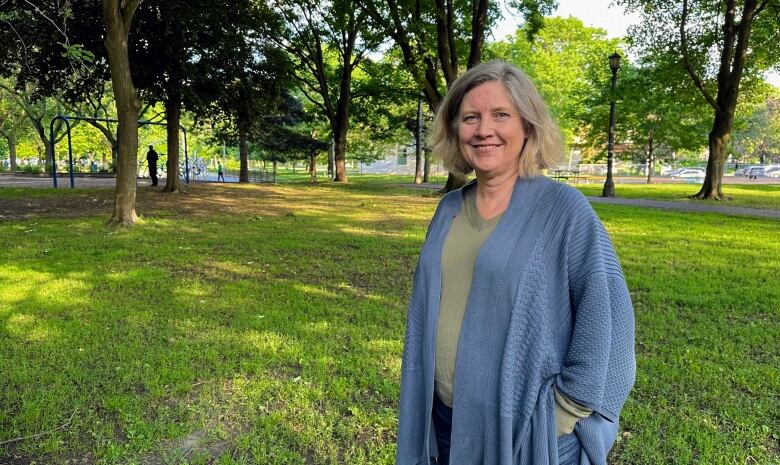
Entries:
{"x":66,"y":119}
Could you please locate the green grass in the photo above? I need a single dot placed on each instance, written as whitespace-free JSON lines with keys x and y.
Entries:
{"x":40,"y":193}
{"x":742,"y":195}
{"x":265,"y":325}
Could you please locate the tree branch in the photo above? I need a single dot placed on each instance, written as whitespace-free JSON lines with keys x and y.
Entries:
{"x":40,"y":434}
{"x":687,"y":62}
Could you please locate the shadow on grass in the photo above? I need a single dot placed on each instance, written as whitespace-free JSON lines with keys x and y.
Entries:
{"x":265,"y":325}
{"x":140,"y":331}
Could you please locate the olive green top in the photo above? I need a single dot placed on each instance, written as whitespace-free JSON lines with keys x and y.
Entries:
{"x":459,"y":256}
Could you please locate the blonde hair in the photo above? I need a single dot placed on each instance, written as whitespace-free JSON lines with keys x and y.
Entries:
{"x":542,"y":149}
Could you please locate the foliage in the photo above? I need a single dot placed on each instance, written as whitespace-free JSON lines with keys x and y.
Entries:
{"x":724,"y":47}
{"x":760,"y":138}
{"x":655,"y":105}
{"x":568,"y":63}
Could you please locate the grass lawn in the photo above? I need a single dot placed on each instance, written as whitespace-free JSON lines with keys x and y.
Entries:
{"x":264,"y":324}
{"x":742,"y":195}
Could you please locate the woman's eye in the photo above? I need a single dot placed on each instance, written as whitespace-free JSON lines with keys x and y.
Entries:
{"x":501,"y":116}
{"x":470,"y":118}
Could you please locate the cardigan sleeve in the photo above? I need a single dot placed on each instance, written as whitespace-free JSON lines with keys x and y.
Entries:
{"x":599,"y":367}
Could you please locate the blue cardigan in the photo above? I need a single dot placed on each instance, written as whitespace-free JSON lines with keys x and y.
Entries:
{"x":548,"y":307}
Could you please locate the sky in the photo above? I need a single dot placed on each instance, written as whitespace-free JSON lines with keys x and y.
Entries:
{"x":596,"y":13}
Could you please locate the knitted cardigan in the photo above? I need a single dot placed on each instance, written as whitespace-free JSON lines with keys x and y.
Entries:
{"x":548,"y":307}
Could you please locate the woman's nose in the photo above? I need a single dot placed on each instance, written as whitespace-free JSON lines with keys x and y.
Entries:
{"x":485,"y":128}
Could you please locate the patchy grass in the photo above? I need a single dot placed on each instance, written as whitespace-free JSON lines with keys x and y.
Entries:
{"x":741,"y":195}
{"x":264,"y":324}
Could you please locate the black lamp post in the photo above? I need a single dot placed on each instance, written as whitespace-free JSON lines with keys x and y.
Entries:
{"x":609,"y":185}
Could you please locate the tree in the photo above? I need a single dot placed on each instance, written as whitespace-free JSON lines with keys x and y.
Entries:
{"x":661,"y":113}
{"x":433,"y":38}
{"x":328,"y":42}
{"x":12,"y":116}
{"x":241,"y":87}
{"x":760,"y":138}
{"x":180,"y":40}
{"x":568,"y":63}
{"x":716,"y":46}
{"x":118,"y":15}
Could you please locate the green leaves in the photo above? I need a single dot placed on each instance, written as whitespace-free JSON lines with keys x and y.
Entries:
{"x":77,"y":52}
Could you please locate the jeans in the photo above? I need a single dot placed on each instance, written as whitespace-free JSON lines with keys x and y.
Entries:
{"x":568,"y":445}
{"x":442,"y":423}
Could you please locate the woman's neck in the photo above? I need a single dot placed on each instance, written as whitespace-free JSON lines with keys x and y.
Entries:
{"x":494,"y":194}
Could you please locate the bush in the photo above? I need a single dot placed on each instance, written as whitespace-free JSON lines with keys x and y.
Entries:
{"x":34,"y":169}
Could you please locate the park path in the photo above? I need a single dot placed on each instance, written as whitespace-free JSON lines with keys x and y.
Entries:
{"x":689,"y":207}
{"x":699,"y":207}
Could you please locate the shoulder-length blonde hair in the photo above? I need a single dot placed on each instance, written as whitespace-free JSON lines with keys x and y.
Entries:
{"x":542,"y":149}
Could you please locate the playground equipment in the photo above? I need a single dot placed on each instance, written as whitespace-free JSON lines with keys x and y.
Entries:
{"x":66,"y":119}
{"x":197,"y":169}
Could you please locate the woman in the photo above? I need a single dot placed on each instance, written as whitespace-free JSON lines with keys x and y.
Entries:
{"x":520,"y":336}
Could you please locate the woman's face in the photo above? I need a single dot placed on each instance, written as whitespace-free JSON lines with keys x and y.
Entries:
{"x":490,"y":130}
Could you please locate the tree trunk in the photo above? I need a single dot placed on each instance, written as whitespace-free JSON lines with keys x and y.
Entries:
{"x":313,"y":167}
{"x":47,"y":148}
{"x":118,"y":16}
{"x":427,"y":167}
{"x":718,"y":142}
{"x":454,"y":181}
{"x":12,"y":152}
{"x":340,"y":155}
{"x":173,"y":117}
{"x":331,"y":167}
{"x":50,"y":155}
{"x":478,"y":21}
{"x":243,"y":150}
{"x":418,"y":153}
{"x":340,"y":125}
{"x":650,"y":159}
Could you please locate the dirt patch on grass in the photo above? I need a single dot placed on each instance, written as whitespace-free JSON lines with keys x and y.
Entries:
{"x":195,"y":200}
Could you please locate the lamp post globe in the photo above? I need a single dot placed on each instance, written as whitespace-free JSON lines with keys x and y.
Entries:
{"x":609,"y":184}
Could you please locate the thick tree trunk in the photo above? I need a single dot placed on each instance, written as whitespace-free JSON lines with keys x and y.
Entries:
{"x":48,"y":154}
{"x":478,"y":21}
{"x":172,"y":116}
{"x":340,"y":154}
{"x":340,"y":125}
{"x":243,"y":151}
{"x":118,"y":16}
{"x":718,"y":142}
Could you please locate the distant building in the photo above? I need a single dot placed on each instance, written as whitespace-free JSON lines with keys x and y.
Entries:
{"x":399,"y":160}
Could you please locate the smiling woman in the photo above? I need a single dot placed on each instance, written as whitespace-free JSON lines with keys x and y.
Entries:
{"x":519,"y":344}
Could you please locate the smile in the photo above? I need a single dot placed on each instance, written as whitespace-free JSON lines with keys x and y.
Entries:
{"x":485,"y":146}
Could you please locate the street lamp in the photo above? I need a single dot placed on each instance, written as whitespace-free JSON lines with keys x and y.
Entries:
{"x":609,"y":185}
